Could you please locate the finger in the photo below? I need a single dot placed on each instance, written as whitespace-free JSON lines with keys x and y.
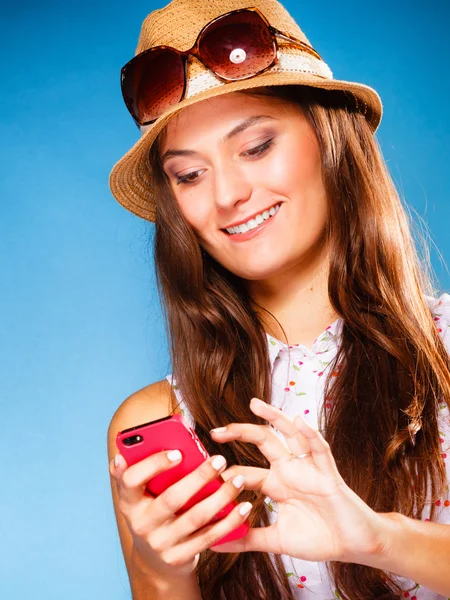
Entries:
{"x":131,"y":481}
{"x":296,"y":444}
{"x":175,"y":497}
{"x":258,"y":539}
{"x":254,"y":476}
{"x":204,"y":511}
{"x":206,"y":537}
{"x":262,"y":436}
{"x":319,"y":447}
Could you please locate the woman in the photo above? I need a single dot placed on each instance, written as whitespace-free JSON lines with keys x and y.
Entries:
{"x":303,"y":326}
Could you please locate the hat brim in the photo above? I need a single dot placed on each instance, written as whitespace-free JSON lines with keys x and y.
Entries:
{"x":130,"y":180}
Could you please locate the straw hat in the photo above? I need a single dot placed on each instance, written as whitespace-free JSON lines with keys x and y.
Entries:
{"x":178,"y":25}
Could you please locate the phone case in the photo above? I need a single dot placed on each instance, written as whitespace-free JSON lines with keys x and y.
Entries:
{"x":172,"y":433}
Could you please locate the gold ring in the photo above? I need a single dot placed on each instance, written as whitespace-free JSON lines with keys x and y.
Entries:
{"x":301,"y":455}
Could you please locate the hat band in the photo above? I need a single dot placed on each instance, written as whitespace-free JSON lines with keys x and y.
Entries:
{"x":287,"y":62}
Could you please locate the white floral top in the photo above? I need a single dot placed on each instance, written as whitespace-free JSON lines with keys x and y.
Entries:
{"x":298,"y":388}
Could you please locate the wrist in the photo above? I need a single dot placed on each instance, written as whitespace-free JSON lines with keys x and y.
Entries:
{"x":160,"y":579}
{"x":390,"y":527}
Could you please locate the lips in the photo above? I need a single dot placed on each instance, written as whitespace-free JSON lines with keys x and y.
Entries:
{"x":251,"y":217}
{"x":251,"y":233}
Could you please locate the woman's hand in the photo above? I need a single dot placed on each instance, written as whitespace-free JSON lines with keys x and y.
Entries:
{"x":163,"y":542}
{"x":319,"y":517}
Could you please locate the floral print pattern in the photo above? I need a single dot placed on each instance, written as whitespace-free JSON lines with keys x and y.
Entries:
{"x":298,"y":379}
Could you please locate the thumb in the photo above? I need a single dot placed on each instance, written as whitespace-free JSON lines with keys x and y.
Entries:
{"x":117,"y":466}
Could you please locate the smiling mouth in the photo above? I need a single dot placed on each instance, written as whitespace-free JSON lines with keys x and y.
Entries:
{"x":254,"y":222}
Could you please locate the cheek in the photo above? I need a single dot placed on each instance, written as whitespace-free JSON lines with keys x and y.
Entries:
{"x":195,"y":208}
{"x":299,"y":164}
{"x":297,"y":173}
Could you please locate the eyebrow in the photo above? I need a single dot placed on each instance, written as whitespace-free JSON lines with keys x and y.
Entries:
{"x":240,"y":127}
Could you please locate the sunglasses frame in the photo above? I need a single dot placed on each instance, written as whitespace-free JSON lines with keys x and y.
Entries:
{"x":194,"y":51}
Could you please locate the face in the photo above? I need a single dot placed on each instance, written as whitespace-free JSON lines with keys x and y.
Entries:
{"x":246,"y":173}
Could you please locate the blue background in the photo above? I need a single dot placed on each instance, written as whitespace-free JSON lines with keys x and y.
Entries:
{"x":81,"y":325}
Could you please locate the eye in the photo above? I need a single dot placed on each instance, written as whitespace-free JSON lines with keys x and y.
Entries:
{"x":259,"y":150}
{"x":190,"y":178}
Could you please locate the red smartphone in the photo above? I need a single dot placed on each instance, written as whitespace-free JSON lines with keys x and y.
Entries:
{"x":174,"y":433}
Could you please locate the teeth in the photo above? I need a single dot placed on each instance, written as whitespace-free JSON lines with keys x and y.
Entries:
{"x":252,"y":223}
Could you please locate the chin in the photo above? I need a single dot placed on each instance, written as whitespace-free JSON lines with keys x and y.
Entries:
{"x":257,"y":272}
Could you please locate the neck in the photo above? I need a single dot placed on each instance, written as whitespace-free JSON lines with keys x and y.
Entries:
{"x":297,"y":299}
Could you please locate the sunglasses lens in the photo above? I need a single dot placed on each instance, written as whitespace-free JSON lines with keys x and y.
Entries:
{"x":237,"y":46}
{"x":152,"y":83}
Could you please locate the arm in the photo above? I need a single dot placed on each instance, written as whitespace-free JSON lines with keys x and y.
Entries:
{"x":147,"y":585}
{"x":417,"y":550}
{"x":152,"y":402}
{"x":332,"y":522}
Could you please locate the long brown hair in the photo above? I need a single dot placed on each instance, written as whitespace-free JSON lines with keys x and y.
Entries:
{"x":382,"y":415}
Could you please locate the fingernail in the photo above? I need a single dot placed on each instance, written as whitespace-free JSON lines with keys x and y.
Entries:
{"x":117,"y":460}
{"x":174,"y":455}
{"x":238,"y":481}
{"x":218,"y":430}
{"x":245,"y":508}
{"x":218,"y":462}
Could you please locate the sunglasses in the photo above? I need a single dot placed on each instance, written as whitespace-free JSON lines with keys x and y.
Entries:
{"x":237,"y":45}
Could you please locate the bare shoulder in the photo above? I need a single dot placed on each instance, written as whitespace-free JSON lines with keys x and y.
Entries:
{"x":154,"y":401}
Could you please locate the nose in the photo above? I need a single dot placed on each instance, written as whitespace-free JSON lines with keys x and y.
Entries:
{"x":232,"y":186}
